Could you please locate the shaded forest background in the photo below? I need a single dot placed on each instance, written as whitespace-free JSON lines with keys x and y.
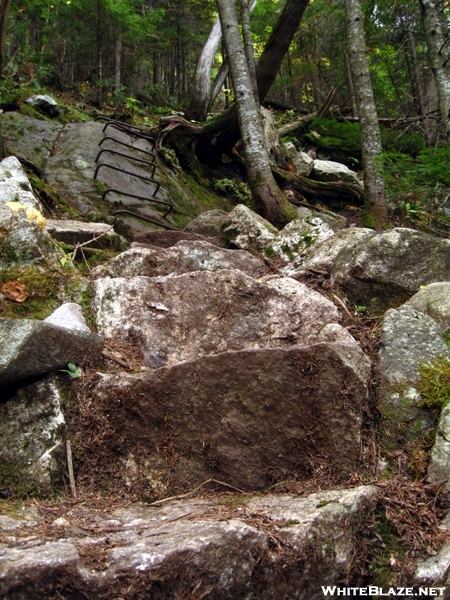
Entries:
{"x":111,"y":50}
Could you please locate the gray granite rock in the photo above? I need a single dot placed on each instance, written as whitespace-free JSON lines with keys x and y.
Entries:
{"x":178,"y":318}
{"x":184,"y":257}
{"x":239,"y":415}
{"x":389,"y":267}
{"x":434,"y":300}
{"x":31,"y":430}
{"x":408,"y":339}
{"x":148,"y":547}
{"x":68,"y":315}
{"x":94,"y":235}
{"x":31,"y":347}
{"x":248,"y":231}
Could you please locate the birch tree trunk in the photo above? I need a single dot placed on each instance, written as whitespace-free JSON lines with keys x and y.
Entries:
{"x":248,"y":47}
{"x":201,"y":86}
{"x":375,"y":205}
{"x":268,"y":197}
{"x":200,"y":91}
{"x":439,"y":53}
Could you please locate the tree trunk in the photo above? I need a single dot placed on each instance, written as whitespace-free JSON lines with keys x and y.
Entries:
{"x":224,"y":130}
{"x":117,"y":63}
{"x":439,"y":53}
{"x":201,"y":85}
{"x":248,"y":47}
{"x":375,"y":205}
{"x":200,"y":93}
{"x":266,"y":192}
{"x":218,"y":82}
{"x":278,"y":44}
{"x":418,"y":85}
{"x":351,"y":88}
{"x":4,"y":10}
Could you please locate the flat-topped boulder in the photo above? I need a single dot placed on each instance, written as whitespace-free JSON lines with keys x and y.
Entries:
{"x":184,"y":257}
{"x":178,"y":318}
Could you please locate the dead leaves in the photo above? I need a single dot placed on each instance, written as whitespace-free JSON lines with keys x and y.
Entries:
{"x":14,"y":290}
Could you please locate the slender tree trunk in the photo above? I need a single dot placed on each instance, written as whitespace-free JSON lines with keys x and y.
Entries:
{"x":117,"y":63}
{"x":374,"y":190}
{"x":418,"y":85}
{"x":439,"y":53}
{"x":266,"y":192}
{"x":351,"y":87}
{"x":218,"y":82}
{"x":4,"y":10}
{"x":225,"y":129}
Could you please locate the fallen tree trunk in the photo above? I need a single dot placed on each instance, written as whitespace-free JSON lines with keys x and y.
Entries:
{"x":302,"y":123}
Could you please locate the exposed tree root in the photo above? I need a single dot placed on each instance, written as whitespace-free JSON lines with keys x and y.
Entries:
{"x":330,"y":191}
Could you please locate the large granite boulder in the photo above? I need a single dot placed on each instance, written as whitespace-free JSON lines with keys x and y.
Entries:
{"x":208,"y":223}
{"x":190,"y":549}
{"x":327,"y":170}
{"x":246,"y":230}
{"x":30,"y":138}
{"x":434,"y":300}
{"x":322,"y":255}
{"x":23,"y":239}
{"x":178,"y":318}
{"x":387,"y":268}
{"x":251,"y":418}
{"x":184,"y":257}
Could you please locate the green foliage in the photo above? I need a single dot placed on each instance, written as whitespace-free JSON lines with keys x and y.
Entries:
{"x":434,"y":384}
{"x":403,"y":143}
{"x":72,"y":370}
{"x":339,"y":140}
{"x":419,"y":187}
{"x":239,"y":191}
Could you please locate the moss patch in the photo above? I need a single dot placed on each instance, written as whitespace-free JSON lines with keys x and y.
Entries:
{"x":42,"y":285}
{"x":434,"y":384}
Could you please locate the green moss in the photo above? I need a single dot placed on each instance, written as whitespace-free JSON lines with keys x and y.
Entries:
{"x":269,"y":252}
{"x":287,"y":214}
{"x":51,"y":196}
{"x":240,"y":192}
{"x":43,"y":287}
{"x":434,"y":384}
{"x":322,"y":503}
{"x":389,"y":547}
{"x":15,"y":475}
